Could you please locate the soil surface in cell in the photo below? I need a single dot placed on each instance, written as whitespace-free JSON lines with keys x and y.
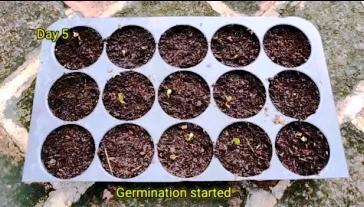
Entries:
{"x":130,"y":47}
{"x":244,"y":149}
{"x":184,"y":95}
{"x":73,"y":96}
{"x":68,"y":151}
{"x":239,"y":94}
{"x":82,"y":48}
{"x":183,"y":46}
{"x":294,"y":94}
{"x":302,"y":148}
{"x":287,"y":46}
{"x":185,"y":150}
{"x":235,"y":45}
{"x":126,"y":151}
{"x":128,"y":96}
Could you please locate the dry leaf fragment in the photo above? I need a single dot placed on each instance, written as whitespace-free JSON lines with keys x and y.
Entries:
{"x":190,"y":136}
{"x":173,"y":157}
{"x":169,"y":92}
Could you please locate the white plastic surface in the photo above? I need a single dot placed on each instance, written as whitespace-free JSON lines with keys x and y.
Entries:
{"x":156,"y":121}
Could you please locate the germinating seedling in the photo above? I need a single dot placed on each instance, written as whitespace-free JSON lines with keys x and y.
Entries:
{"x":121,"y":98}
{"x":190,"y":136}
{"x":236,"y":140}
{"x":228,"y":100}
{"x":169,"y":92}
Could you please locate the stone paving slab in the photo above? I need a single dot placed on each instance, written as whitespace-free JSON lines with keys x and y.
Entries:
{"x":17,"y":23}
{"x":341,"y":25}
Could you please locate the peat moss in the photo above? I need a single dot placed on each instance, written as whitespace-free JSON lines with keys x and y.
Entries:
{"x":24,"y":106}
{"x":168,"y":8}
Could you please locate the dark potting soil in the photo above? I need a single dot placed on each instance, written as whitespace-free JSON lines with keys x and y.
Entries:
{"x":184,"y":95}
{"x":130,"y":47}
{"x":235,"y":45}
{"x":244,"y":149}
{"x":287,"y":46}
{"x":126,"y":151}
{"x":294,"y":94}
{"x":82,"y":48}
{"x":239,"y":94}
{"x":73,"y":96}
{"x":183,"y":46}
{"x":68,"y":151}
{"x":128,"y":96}
{"x":185,"y":150}
{"x":302,"y":148}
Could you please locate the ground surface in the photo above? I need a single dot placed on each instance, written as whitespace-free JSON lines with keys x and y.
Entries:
{"x":341,"y":25}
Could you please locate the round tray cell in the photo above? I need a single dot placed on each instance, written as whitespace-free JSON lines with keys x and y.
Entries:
{"x":235,"y":45}
{"x":83,"y":47}
{"x":73,"y":96}
{"x":185,"y":150}
{"x":294,"y":94}
{"x":183,"y":46}
{"x":302,"y":148}
{"x":184,"y":95}
{"x":239,"y":94}
{"x":68,"y":151}
{"x":244,"y":149}
{"x":130,"y":47}
{"x":126,"y":151}
{"x":128,"y":96}
{"x":287,"y":46}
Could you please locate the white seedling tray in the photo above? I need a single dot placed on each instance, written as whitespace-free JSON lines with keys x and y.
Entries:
{"x":156,"y":121}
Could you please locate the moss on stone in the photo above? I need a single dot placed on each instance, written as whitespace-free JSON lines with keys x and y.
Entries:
{"x":353,"y":138}
{"x":341,"y":25}
{"x":24,"y":106}
{"x":12,"y":191}
{"x":244,"y":7}
{"x":18,"y":20}
{"x":168,"y":8}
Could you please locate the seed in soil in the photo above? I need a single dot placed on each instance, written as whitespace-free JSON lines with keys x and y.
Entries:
{"x":73,"y":96}
{"x":68,"y":151}
{"x":287,"y":46}
{"x":80,"y":50}
{"x":294,"y":94}
{"x":126,"y":151}
{"x":183,"y":46}
{"x":302,"y":148}
{"x":235,"y":45}
{"x":128,"y":96}
{"x":239,"y":94}
{"x":130,"y":47}
{"x":184,"y":95}
{"x":250,"y":155}
{"x":185,"y":150}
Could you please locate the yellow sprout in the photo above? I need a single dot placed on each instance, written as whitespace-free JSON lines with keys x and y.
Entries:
{"x":236,"y":141}
{"x":228,"y":99}
{"x":121,"y":98}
